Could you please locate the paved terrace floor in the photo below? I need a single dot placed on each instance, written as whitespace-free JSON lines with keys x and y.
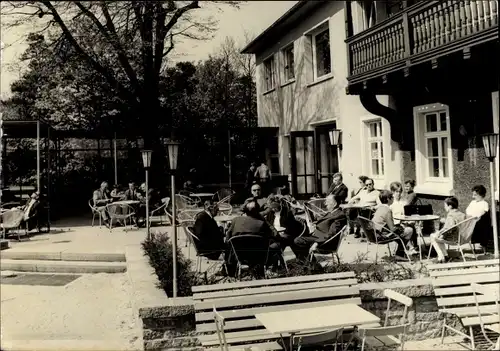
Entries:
{"x":95,"y":311}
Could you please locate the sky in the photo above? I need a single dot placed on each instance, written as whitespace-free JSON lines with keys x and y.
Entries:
{"x":253,"y":17}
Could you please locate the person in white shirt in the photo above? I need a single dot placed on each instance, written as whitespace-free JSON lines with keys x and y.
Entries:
{"x":398,"y":204}
{"x":479,"y":208}
{"x":368,"y":196}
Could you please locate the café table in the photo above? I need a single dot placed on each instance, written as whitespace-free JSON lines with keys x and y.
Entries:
{"x":315,"y":319}
{"x":418,"y":219}
{"x":354,"y":206}
{"x":203,"y":195}
{"x":225,"y":218}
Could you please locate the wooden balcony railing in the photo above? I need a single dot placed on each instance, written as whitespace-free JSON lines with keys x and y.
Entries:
{"x":419,"y":32}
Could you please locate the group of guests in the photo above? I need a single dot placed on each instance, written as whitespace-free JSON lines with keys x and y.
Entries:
{"x":102,"y":197}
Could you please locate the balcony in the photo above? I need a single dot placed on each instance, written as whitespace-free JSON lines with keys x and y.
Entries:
{"x":420,"y":33}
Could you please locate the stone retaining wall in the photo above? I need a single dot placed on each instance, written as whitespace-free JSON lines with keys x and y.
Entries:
{"x":172,"y":326}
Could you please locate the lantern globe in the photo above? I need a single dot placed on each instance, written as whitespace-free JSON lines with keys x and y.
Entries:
{"x":490,"y":144}
{"x":146,"y":158}
{"x":173,"y":153}
{"x":335,"y":137}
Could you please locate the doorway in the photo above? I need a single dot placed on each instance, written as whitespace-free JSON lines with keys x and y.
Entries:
{"x":327,"y":161}
{"x":303,"y":172}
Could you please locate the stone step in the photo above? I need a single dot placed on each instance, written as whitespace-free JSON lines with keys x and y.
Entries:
{"x":4,"y":244}
{"x":63,"y":256}
{"x":62,"y":266}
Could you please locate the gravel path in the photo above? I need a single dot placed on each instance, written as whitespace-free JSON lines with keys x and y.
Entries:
{"x":94,"y":310}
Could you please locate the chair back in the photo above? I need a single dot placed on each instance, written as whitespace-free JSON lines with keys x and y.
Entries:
{"x":465,"y":230}
{"x":224,"y":195}
{"x":368,"y":228}
{"x":120,"y":210}
{"x":318,"y":205}
{"x":250,"y":249}
{"x":402,"y":299}
{"x":312,"y":211}
{"x":191,"y":237}
{"x":325,"y":337}
{"x":12,"y":218}
{"x":220,"y":323}
{"x":304,"y":224}
{"x":188,"y":215}
{"x":326,"y":246}
{"x":166,"y":201}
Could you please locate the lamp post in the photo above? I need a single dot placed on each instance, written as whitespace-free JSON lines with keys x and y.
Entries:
{"x":173,"y":152}
{"x":490,"y":144}
{"x":146,"y":160}
{"x":335,"y":141}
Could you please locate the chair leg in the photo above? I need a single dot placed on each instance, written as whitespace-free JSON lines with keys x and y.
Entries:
{"x":93,"y":218}
{"x":473,"y":251}
{"x":472,"y":342}
{"x":430,"y":250}
{"x":443,"y":329}
{"x":462,"y":253}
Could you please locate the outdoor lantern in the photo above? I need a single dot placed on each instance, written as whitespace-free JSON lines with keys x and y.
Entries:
{"x":490,"y":144}
{"x":335,"y":137}
{"x":146,"y":158}
{"x":173,"y":152}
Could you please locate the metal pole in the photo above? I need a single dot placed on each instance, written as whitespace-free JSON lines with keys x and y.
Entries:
{"x":230,"y":165}
{"x":174,"y":238}
{"x":116,"y":162}
{"x":147,"y":204}
{"x":493,"y":208}
{"x":38,"y":156}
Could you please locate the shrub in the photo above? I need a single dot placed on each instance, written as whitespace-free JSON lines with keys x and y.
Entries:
{"x":159,"y":251}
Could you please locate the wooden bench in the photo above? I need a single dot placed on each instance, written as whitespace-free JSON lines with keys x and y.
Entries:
{"x":239,"y":302}
{"x":454,"y":295}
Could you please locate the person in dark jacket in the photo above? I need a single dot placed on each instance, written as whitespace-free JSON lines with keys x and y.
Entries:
{"x":252,"y":222}
{"x":208,"y":232}
{"x":338,"y":189}
{"x":259,"y":199}
{"x":326,"y":227}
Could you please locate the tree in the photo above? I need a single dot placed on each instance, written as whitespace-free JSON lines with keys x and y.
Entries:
{"x":118,"y":28}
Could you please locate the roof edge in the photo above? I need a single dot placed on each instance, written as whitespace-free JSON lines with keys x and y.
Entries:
{"x":248,"y":49}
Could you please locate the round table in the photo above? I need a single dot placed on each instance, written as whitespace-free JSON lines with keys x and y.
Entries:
{"x":203,"y":194}
{"x":354,"y":206}
{"x":126,"y":202}
{"x":418,"y":219}
{"x":225,"y":218}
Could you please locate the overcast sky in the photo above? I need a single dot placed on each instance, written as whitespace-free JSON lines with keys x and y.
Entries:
{"x":252,"y":17}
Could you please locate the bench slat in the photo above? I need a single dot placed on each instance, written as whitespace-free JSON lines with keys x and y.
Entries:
{"x":239,"y":337}
{"x":458,"y":290}
{"x":381,"y":341}
{"x":231,"y":325}
{"x":464,"y":300}
{"x":456,"y":272}
{"x":271,"y":282}
{"x":264,"y":346}
{"x":465,"y":279}
{"x":251,"y":312}
{"x":470,"y":311}
{"x":274,"y":289}
{"x":471,"y":321}
{"x":278,"y":297}
{"x":455,"y":265}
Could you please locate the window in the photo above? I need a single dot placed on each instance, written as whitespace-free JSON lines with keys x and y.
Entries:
{"x":288,"y":63}
{"x":269,"y":74}
{"x":321,"y":53}
{"x":433,"y":149}
{"x":375,"y":152}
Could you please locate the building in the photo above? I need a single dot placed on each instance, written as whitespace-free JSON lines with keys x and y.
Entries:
{"x":410,"y":84}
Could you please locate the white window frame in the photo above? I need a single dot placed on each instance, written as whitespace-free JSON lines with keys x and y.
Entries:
{"x":269,"y":86}
{"x":365,"y":148}
{"x":425,"y":184}
{"x":313,"y":33}
{"x":285,"y":71}
{"x":496,"y":106}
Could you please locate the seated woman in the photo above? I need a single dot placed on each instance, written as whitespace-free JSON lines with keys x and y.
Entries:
{"x":383,"y":219}
{"x":397,"y":207}
{"x":326,"y":227}
{"x":479,"y":208}
{"x":453,"y":217}
{"x":281,"y":216}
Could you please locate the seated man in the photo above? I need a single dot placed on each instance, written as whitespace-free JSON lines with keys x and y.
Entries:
{"x":31,"y":210}
{"x":258,"y":198}
{"x":366,"y":197}
{"x":338,"y":189}
{"x":117,"y":193}
{"x":383,"y":219}
{"x":101,"y":198}
{"x":252,"y":223}
{"x":132,"y":194}
{"x":453,"y":217}
{"x":326,"y":227}
{"x":280,"y":216}
{"x":210,"y":235}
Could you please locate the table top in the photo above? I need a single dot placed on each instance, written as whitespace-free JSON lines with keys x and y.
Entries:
{"x":225,"y":218}
{"x":316,"y":318}
{"x":416,"y":218}
{"x":126,"y":202}
{"x":347,"y":206}
{"x":203,"y":194}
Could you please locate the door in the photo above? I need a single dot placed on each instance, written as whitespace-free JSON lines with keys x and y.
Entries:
{"x":303,"y":170}
{"x":327,"y":162}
